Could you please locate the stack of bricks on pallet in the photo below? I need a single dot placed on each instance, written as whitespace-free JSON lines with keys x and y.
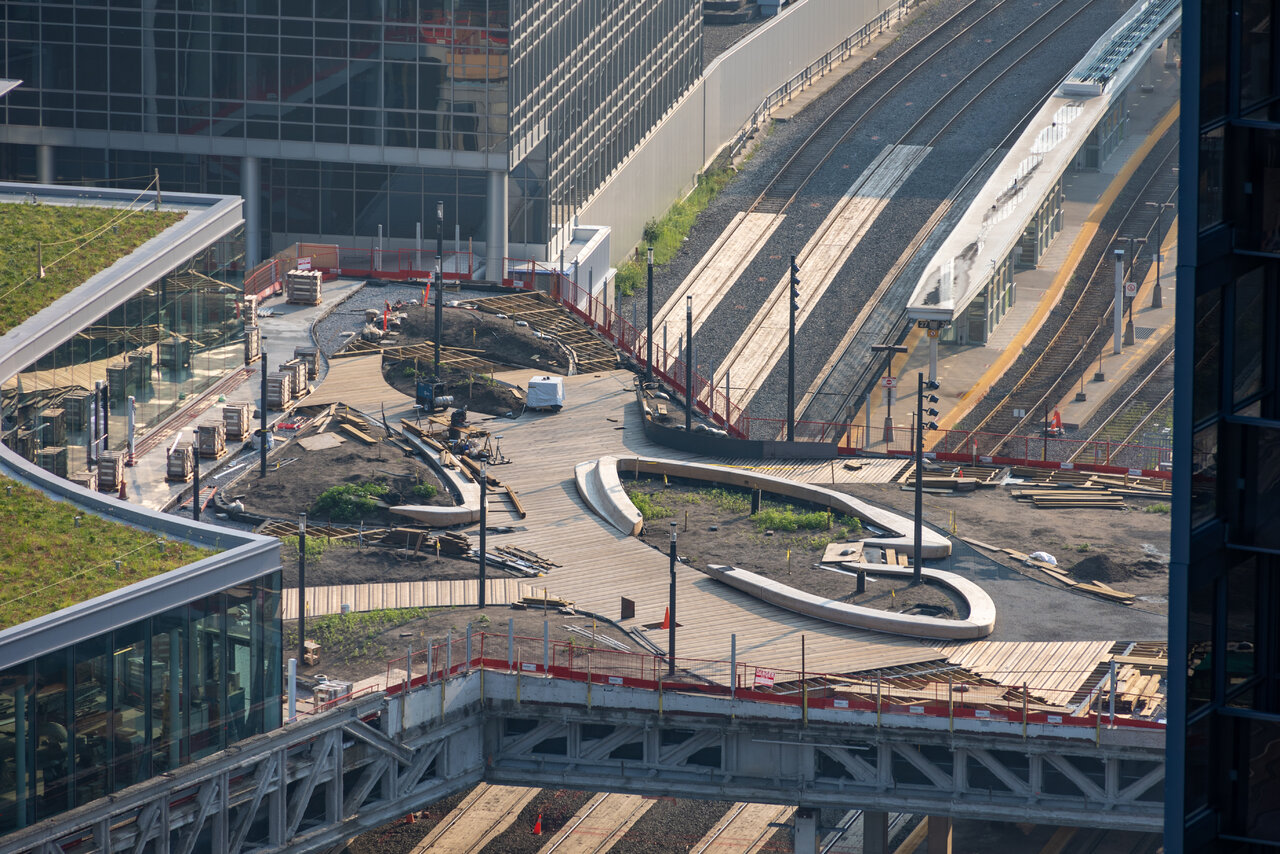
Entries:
{"x":303,"y":286}
{"x":213,"y":440}
{"x":252,"y":343}
{"x":181,"y":464}
{"x":310,"y":356}
{"x":109,"y":471}
{"x":53,"y":459}
{"x":86,"y":479}
{"x":237,"y":417}
{"x":279,"y":390}
{"x":298,"y":384}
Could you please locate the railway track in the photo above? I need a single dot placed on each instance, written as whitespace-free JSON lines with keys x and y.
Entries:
{"x":843,"y":841}
{"x":599,"y":825}
{"x":1070,"y":344}
{"x":744,"y":829}
{"x":1131,"y":417}
{"x":759,"y":350}
{"x":484,"y":814}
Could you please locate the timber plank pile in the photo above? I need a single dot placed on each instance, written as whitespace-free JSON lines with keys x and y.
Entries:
{"x":544,"y":315}
{"x":1059,"y":574}
{"x":1071,"y":498}
{"x":450,"y":357}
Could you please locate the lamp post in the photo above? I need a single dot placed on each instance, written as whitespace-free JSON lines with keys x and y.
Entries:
{"x":932,"y":385}
{"x":1157,"y":299}
{"x":439,"y":283}
{"x":1134,"y":246}
{"x":890,"y":349}
{"x":302,"y":588}
{"x":648,"y":339}
{"x":1118,"y":314}
{"x":671,"y":609}
{"x":688,"y":364}
{"x":484,"y":518}
{"x":262,"y":430}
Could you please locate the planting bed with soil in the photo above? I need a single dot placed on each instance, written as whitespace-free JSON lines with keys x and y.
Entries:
{"x":714,"y":525}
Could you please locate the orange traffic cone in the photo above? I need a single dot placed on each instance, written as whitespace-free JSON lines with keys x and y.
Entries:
{"x":537,"y":826}
{"x":410,"y":819}
{"x":666,"y":619}
{"x":960,"y":473}
{"x":123,"y":495}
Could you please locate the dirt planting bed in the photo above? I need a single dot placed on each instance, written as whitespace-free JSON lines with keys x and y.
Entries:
{"x":714,"y":526}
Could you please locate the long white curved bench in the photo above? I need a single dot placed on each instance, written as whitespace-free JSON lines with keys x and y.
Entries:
{"x":600,"y":488}
{"x":979,"y":622}
{"x":613,"y":504}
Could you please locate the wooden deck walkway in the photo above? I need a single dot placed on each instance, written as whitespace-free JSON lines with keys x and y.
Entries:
{"x":600,"y":565}
{"x":403,"y":594}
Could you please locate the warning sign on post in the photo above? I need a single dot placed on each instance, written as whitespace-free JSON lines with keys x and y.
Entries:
{"x":1131,"y":289}
{"x":764,"y":677}
{"x":889,"y":382}
{"x":304,"y":263}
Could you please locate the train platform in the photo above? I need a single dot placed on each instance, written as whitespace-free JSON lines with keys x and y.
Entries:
{"x":967,"y":371}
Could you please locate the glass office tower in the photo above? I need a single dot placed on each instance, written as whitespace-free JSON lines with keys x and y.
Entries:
{"x":341,"y":116}
{"x":1223,"y":786}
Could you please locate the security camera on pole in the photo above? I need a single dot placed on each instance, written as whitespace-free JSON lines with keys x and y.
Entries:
{"x":791,"y":351}
{"x":921,"y":412}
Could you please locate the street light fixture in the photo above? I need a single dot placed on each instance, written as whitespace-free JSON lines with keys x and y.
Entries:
{"x":921,"y":398}
{"x":1134,"y":246}
{"x":671,"y":609}
{"x":688,"y":363}
{"x":439,"y":284}
{"x":1157,"y":300}
{"x":484,"y":499}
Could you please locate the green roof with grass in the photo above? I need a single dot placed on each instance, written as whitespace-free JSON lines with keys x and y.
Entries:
{"x":48,"y":562}
{"x":73,"y":243}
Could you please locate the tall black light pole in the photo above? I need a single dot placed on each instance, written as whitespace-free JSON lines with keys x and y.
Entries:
{"x":671,"y":609}
{"x":917,"y":575}
{"x":791,"y":351}
{"x":688,"y":364}
{"x":195,"y":480}
{"x":302,"y":588}
{"x":888,"y":349}
{"x":439,"y":283}
{"x":262,"y":431}
{"x":648,"y":341}
{"x":1157,"y":300}
{"x":484,"y":519}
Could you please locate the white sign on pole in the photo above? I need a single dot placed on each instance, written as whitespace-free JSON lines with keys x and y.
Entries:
{"x":304,"y":263}
{"x":1131,"y":289}
{"x":889,"y":382}
{"x":764,"y":677}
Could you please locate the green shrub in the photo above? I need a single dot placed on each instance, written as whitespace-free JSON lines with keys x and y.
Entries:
{"x":355,"y":634}
{"x":1156,"y":508}
{"x":315,"y":546}
{"x":729,"y":500}
{"x":650,"y":506}
{"x":423,"y":491}
{"x":787,"y":519}
{"x":348,"y":502}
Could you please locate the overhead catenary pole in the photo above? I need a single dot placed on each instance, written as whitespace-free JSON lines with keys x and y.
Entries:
{"x":484,"y":519}
{"x":262,"y":430}
{"x":439,"y":284}
{"x":688,"y":363}
{"x":921,"y":398}
{"x":791,"y":350}
{"x":648,"y":339}
{"x":195,"y":481}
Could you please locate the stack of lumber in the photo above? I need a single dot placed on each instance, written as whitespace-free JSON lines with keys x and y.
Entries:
{"x":453,"y":543}
{"x":252,"y":343}
{"x":1133,"y":487}
{"x":279,"y":389}
{"x":1140,"y":683}
{"x":303,"y":287}
{"x":1070,"y":498}
{"x":545,"y":601}
{"x":87,"y":479}
{"x":525,"y":559}
{"x":212,"y":440}
{"x":237,"y":419}
{"x":110,"y":471}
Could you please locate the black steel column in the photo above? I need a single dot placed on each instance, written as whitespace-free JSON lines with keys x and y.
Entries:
{"x":648,"y":347}
{"x":791,"y":352}
{"x":439,"y":283}
{"x":671,"y":609}
{"x":484,"y":519}
{"x":262,"y":431}
{"x":688,"y":364}
{"x":195,"y":480}
{"x":302,"y":589}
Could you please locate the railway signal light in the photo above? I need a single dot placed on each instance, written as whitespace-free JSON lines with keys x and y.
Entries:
{"x":795,"y":284}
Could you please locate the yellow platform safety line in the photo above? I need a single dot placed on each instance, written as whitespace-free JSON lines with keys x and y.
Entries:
{"x":1054,"y":293}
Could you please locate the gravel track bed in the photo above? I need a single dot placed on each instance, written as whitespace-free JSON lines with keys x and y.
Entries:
{"x":1127,"y":388}
{"x":671,"y":826}
{"x":984,"y":126}
{"x":556,"y":806}
{"x":400,"y":837}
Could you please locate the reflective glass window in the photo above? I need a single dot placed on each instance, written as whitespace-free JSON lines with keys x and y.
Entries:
{"x":205,"y":674}
{"x":168,"y":718}
{"x":1247,"y":366}
{"x":1204,"y":475}
{"x":91,"y":682}
{"x":53,"y":746}
{"x":1208,"y":355}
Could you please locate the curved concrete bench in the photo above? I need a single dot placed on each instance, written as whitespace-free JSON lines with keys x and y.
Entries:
{"x":598,"y":484}
{"x":457,"y":481}
{"x":440,"y":517}
{"x":900,"y":529}
{"x":979,"y":623}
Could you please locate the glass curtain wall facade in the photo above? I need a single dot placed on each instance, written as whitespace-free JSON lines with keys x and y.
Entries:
{"x":1223,"y":791}
{"x":569,"y":86}
{"x":170,"y":341}
{"x":93,"y":718}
